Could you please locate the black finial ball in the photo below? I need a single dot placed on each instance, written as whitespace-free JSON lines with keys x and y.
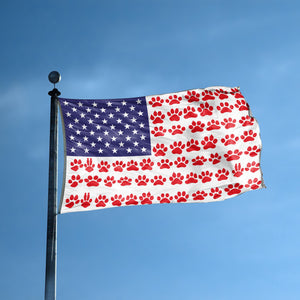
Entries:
{"x":54,"y":77}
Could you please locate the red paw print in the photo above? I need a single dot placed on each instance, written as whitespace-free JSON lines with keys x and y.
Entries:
{"x":173,"y":99}
{"x":117,"y":200}
{"x":233,"y":189}
{"x":205,"y":109}
{"x":215,"y":158}
{"x":132,"y":166}
{"x":253,"y":184}
{"x":233,"y":155}
{"x":160,"y":150}
{"x":158,"y":180}
{"x":109,"y":181}
{"x":125,"y":181}
{"x":215,"y":193}
{"x":141,"y":180}
{"x":192,"y":145}
{"x":158,"y":131}
{"x":119,"y":166}
{"x":154,"y":102}
{"x":236,"y":92}
{"x":207,"y":95}
{"x":229,"y":139}
{"x":199,"y":161}
{"x":131,"y":200}
{"x":181,"y":197}
{"x":176,"y":178}
{"x":157,"y":117}
{"x":222,"y":174}
{"x":192,"y":96}
{"x":229,"y":123}
{"x":75,"y":180}
{"x":221,"y":94}
{"x":238,"y":170}
{"x":101,"y":201}
{"x":252,"y":167}
{"x":205,"y":176}
{"x":76,"y":164}
{"x":103,"y":166}
{"x":92,"y":181}
{"x":189,"y":112}
{"x":181,"y":162}
{"x":164,"y":164}
{"x":252,"y":151}
{"x":86,"y":201}
{"x":213,"y":125}
{"x":225,"y":107}
{"x":146,"y":198}
{"x":247,"y":121}
{"x":177,"y":129}
{"x":197,"y":126}
{"x":174,"y":114}
{"x":199,"y":195}
{"x":209,"y":142}
{"x":191,"y":178}
{"x":71,"y":201}
{"x":241,"y":105}
{"x":164,"y":198}
{"x":146,"y":164}
{"x":248,"y":136}
{"x":177,"y":147}
{"x":89,"y":166}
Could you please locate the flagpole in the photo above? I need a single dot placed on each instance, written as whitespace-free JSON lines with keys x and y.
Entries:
{"x":50,"y":277}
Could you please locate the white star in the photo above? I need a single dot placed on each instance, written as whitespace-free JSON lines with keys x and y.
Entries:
{"x":138,"y":101}
{"x":86,"y":150}
{"x":95,"y":104}
{"x":119,"y":121}
{"x":104,"y":121}
{"x":140,"y":113}
{"x":100,"y":150}
{"x":79,"y":144}
{"x":142,"y":137}
{"x":109,"y":103}
{"x":103,"y":110}
{"x":93,"y":144}
{"x":79,"y":104}
{"x":120,"y":132}
{"x":70,"y":125}
{"x":82,"y":115}
{"x":134,"y":131}
{"x":142,"y":125}
{"x":85,"y":138}
{"x":74,"y":109}
{"x":90,"y":121}
{"x":88,"y":110}
{"x":78,"y":132}
{"x":84,"y":127}
{"x":128,"y":138}
{"x":133,"y":120}
{"x":125,"y":114}
{"x":92,"y":132}
{"x":68,"y":114}
{"x":123,"y":102}
{"x":117,"y":109}
{"x":127,"y":126}
{"x":111,"y":115}
{"x":66,"y":103}
{"x":72,"y":150}
{"x":143,"y":149}
{"x":98,"y":127}
{"x":113,"y":138}
{"x":135,"y":144}
{"x":106,"y":132}
{"x":121,"y":144}
{"x":76,"y":120}
{"x":72,"y":138}
{"x":132,"y":108}
{"x":99,"y":139}
{"x":107,"y":144}
{"x":112,"y":127}
{"x":129,"y":150}
{"x":96,"y":116}
{"x":114,"y":150}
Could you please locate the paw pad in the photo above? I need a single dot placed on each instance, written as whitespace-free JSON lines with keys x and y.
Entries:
{"x":177,"y":147}
{"x":215,"y":158}
{"x":158,"y":180}
{"x":164,"y":164}
{"x":103,"y":166}
{"x":222,"y":174}
{"x":173,"y":99}
{"x":174,"y":114}
{"x":233,"y":155}
{"x":158,"y":131}
{"x":160,"y":150}
{"x":215,"y":193}
{"x":213,"y":125}
{"x":109,"y":181}
{"x":229,"y":123}
{"x":189,"y":112}
{"x":71,"y":201}
{"x":248,"y":136}
{"x":181,"y":162}
{"x":146,"y":198}
{"x":86,"y":201}
{"x":205,"y":109}
{"x":207,"y":95}
{"x":101,"y":201}
{"x":233,"y":189}
{"x":225,"y":107}
{"x":164,"y":198}
{"x":199,"y":195}
{"x":253,"y":184}
{"x":176,"y":178}
{"x":92,"y":181}
{"x":192,"y":145}
{"x":197,"y":126}
{"x":76,"y":164}
{"x":205,"y":176}
{"x":141,"y":180}
{"x":181,"y":197}
{"x":123,"y":181}
{"x":132,"y":166}
{"x":89,"y":166}
{"x":157,"y":117}
{"x":177,"y":129}
{"x":209,"y":142}
{"x":229,"y":139}
{"x":191,"y":178}
{"x":199,"y":161}
{"x":192,"y":96}
{"x":131,"y":200}
{"x":154,"y":102}
{"x":146,"y":164}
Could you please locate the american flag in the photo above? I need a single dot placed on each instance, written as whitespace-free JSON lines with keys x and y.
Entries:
{"x":199,"y":145}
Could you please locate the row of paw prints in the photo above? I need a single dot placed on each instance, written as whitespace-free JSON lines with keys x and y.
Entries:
{"x":148,"y":164}
{"x":198,"y":126}
{"x":204,"y":109}
{"x":147,"y":198}
{"x":175,"y":178}
{"x":194,"y":96}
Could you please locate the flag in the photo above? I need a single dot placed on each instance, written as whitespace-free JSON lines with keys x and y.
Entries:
{"x":193,"y":146}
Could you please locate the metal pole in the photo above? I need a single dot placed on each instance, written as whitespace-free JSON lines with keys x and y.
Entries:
{"x":50,"y":279}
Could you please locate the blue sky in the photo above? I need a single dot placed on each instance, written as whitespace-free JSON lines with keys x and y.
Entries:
{"x":242,"y":248}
